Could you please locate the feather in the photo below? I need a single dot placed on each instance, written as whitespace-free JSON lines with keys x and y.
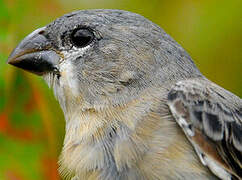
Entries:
{"x":210,"y":117}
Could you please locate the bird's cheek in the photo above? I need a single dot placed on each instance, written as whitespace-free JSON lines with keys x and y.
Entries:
{"x":68,"y":79}
{"x":63,"y":74}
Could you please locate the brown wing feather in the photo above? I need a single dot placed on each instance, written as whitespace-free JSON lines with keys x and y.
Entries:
{"x":211,"y":118}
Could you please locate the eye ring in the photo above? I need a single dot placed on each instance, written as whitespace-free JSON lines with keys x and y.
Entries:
{"x":82,"y":37}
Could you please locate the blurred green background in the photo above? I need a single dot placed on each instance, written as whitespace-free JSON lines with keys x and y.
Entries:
{"x":31,"y":122}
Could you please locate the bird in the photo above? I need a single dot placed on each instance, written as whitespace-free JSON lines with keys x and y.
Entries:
{"x":135,"y":104}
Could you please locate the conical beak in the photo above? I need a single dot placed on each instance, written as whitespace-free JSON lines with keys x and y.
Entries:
{"x":35,"y":54}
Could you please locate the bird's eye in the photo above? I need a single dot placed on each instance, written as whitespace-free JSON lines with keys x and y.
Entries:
{"x":82,"y":37}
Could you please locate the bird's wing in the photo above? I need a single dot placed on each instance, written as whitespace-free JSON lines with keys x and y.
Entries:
{"x":211,"y":118}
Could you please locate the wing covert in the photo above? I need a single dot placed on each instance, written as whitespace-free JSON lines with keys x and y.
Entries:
{"x":211,"y":118}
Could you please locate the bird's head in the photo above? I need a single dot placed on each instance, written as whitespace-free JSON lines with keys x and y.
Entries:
{"x":95,"y":58}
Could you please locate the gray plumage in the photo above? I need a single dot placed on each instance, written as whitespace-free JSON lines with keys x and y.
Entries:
{"x":215,"y":113}
{"x":136,"y":106}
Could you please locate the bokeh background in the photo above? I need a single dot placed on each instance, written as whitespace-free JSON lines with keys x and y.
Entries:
{"x":31,"y":122}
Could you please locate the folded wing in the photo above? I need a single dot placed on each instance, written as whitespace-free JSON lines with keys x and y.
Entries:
{"x":211,"y":118}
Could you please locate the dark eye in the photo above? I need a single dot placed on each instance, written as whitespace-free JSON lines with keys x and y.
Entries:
{"x":82,"y":37}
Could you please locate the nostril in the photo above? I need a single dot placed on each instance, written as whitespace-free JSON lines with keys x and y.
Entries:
{"x":42,"y":32}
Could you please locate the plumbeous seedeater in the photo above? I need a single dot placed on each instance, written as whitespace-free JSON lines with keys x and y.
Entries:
{"x":136,"y":106}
